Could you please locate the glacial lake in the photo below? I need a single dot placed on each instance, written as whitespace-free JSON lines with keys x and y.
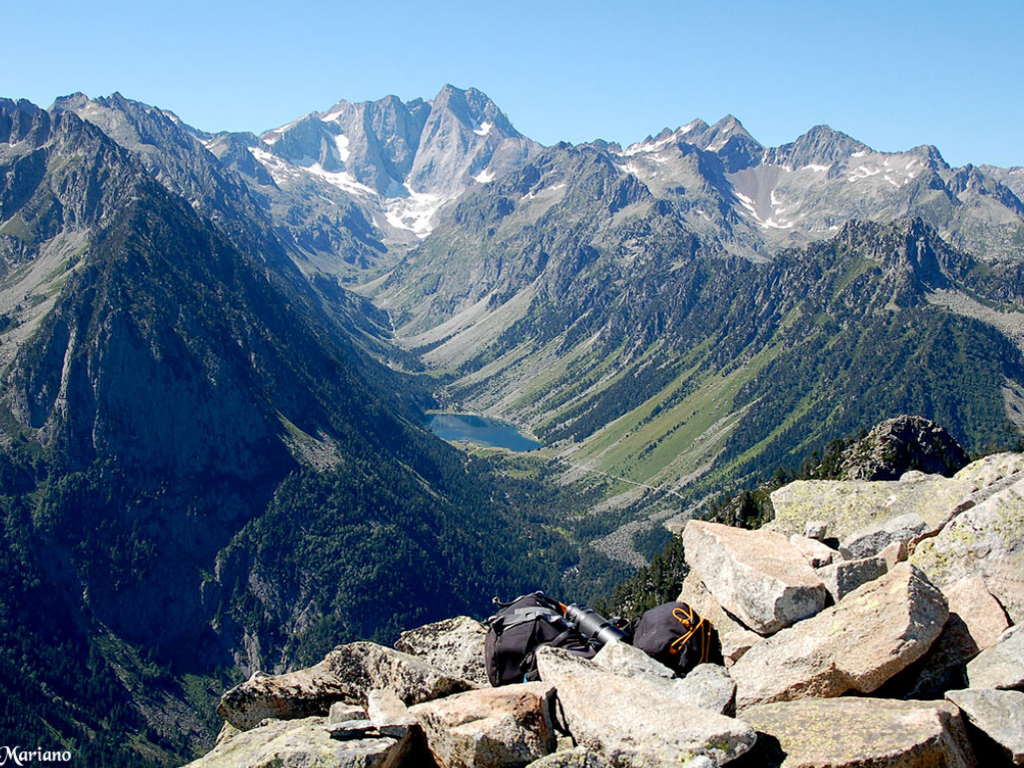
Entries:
{"x":480,"y":430}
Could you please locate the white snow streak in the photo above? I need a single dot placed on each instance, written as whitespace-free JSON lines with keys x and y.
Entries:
{"x":341,"y":141}
{"x":484,"y":129}
{"x":284,"y":172}
{"x":414,"y":212}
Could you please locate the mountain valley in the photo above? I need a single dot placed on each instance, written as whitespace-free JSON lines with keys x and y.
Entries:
{"x":218,"y":352}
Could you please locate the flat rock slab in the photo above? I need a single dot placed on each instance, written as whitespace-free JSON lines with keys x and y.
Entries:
{"x":1002,"y":665}
{"x":980,"y":612}
{"x":490,"y":728}
{"x":707,"y":686}
{"x":301,"y":743}
{"x":625,"y":660}
{"x":363,"y":666}
{"x":991,"y":470}
{"x":842,"y":578}
{"x":985,"y":541}
{"x":291,"y":696}
{"x":857,"y":732}
{"x":858,"y":644}
{"x":976,"y":621}
{"x":757,"y":576}
{"x":815,"y":553}
{"x":343,"y":712}
{"x":870,"y":541}
{"x":633,"y":722}
{"x":998,"y":714}
{"x":577,"y":757}
{"x":454,"y":646}
{"x":848,"y":506}
{"x":389,"y":714}
{"x":352,"y":729}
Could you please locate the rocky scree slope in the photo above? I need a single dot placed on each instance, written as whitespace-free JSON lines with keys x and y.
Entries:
{"x":874,"y":622}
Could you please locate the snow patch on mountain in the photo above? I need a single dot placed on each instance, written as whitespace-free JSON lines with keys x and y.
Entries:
{"x":415,"y":212}
{"x":484,"y":129}
{"x":341,"y":141}
{"x":285,"y":173}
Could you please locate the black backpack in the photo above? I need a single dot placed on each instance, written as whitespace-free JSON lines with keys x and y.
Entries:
{"x":678,"y":637}
{"x":518,"y":629}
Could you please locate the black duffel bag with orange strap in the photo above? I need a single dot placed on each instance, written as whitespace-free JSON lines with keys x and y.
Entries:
{"x":675,"y":635}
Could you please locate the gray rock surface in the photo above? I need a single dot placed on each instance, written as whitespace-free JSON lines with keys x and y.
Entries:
{"x":980,"y":612}
{"x":488,"y":728}
{"x":842,"y":578}
{"x":942,"y":668}
{"x":625,"y":660}
{"x":577,"y":757}
{"x":816,"y":530}
{"x":364,"y":666}
{"x":352,"y":729}
{"x":388,"y":714}
{"x":602,"y":712}
{"x":1002,"y":665}
{"x":849,"y":506}
{"x":857,"y":644}
{"x":303,"y":743}
{"x":869,"y":541}
{"x":815,"y":553}
{"x":986,"y":540}
{"x":454,"y":646}
{"x":707,"y":686}
{"x":984,"y":617}
{"x":757,"y":576}
{"x":290,"y":696}
{"x":897,"y":552}
{"x":343,"y":712}
{"x":976,"y":621}
{"x":999,"y":714}
{"x":737,"y":643}
{"x":858,"y":732}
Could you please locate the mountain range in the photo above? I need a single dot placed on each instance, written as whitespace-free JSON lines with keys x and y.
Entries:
{"x":218,"y":350}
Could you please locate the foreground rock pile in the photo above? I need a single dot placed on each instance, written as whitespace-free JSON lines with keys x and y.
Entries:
{"x":871,"y":624}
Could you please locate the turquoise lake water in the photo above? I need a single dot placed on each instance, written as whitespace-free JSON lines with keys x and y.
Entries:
{"x":480,"y":430}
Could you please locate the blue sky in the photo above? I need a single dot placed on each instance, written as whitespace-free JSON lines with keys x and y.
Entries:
{"x":892,"y":74}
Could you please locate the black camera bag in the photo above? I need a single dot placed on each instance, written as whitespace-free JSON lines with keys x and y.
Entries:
{"x":519,"y":629}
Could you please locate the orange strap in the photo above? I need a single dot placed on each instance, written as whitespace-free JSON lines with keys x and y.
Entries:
{"x":680,"y":642}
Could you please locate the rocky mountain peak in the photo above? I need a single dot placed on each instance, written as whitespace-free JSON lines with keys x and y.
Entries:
{"x":819,"y":146}
{"x":21,"y":120}
{"x":730,"y":124}
{"x":475,"y":109}
{"x":900,"y":445}
{"x":730,"y":141}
